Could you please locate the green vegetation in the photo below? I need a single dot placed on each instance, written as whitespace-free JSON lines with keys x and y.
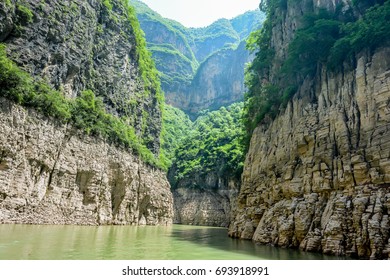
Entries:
{"x":213,"y":37}
{"x":311,"y":45}
{"x":170,"y":47}
{"x":7,"y":2}
{"x":85,"y":112}
{"x":107,"y":4}
{"x":148,"y":71}
{"x":213,"y":145}
{"x":176,"y":127}
{"x":324,"y":40}
{"x":370,"y":31}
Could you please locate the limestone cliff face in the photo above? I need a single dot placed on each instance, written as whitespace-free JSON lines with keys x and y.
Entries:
{"x":219,"y":80}
{"x":76,"y":45}
{"x":317,"y":177}
{"x":52,"y":174}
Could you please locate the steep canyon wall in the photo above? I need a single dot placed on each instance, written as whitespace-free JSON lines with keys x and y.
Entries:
{"x":52,"y":173}
{"x":208,"y":206}
{"x":318,"y":176}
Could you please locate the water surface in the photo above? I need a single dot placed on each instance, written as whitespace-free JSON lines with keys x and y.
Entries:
{"x":177,"y":242}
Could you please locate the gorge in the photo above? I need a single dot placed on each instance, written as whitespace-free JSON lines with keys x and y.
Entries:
{"x":301,"y":160}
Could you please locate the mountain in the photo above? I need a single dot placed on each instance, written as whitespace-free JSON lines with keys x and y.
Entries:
{"x":80,"y":116}
{"x":185,"y":55}
{"x":316,"y":175}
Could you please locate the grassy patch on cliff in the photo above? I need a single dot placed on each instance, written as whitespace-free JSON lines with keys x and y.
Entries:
{"x":86,"y":112}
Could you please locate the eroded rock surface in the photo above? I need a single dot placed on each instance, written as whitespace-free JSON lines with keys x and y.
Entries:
{"x":318,"y":177}
{"x":52,"y":174}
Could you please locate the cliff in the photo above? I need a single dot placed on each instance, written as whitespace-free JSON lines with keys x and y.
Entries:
{"x":66,"y":156}
{"x":206,"y":206}
{"x":76,"y":45}
{"x":219,"y":80}
{"x":317,"y":176}
{"x":53,"y":174}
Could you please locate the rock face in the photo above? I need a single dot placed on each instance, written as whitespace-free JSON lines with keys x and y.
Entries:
{"x":76,"y":45}
{"x":219,"y":80}
{"x":317,"y":177}
{"x":209,"y":206}
{"x":51,"y":174}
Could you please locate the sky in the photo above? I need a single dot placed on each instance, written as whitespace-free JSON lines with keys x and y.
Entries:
{"x":200,"y":13}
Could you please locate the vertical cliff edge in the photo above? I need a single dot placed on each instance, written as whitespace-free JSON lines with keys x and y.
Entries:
{"x":66,"y":156}
{"x":317,"y":176}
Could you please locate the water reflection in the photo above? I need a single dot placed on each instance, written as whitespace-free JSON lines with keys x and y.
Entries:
{"x":130,"y":242}
{"x":217,"y":238}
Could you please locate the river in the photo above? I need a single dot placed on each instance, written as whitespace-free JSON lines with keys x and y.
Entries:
{"x":176,"y":242}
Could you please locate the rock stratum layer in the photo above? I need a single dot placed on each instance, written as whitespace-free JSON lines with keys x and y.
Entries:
{"x":318,"y":177}
{"x":52,"y":174}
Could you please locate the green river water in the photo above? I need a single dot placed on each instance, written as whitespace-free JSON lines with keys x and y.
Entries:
{"x":177,"y":242}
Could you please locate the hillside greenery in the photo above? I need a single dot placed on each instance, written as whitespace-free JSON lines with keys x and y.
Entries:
{"x":324,"y":40}
{"x":176,"y":127}
{"x":214,"y":144}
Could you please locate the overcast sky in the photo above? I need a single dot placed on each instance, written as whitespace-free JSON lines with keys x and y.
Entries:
{"x":200,"y":13}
